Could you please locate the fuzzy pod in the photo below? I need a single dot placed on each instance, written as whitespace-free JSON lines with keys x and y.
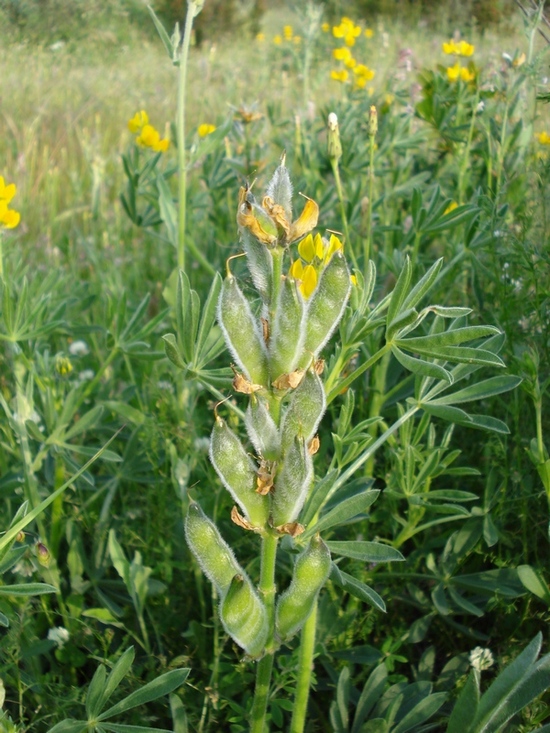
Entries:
{"x":311,"y":571}
{"x":280,"y":189}
{"x":242,"y":333}
{"x":262,"y":430}
{"x":260,"y":264}
{"x":304,"y":413}
{"x":237,"y":473}
{"x":326,"y":306}
{"x":287,"y":331}
{"x":212,"y":552}
{"x":244,"y":616}
{"x":292,"y":484}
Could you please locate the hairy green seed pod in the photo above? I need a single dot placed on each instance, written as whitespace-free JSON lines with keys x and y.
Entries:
{"x":260,"y":264}
{"x":262,"y":430}
{"x":212,"y":552}
{"x":237,"y":472}
{"x":311,"y":571}
{"x":242,"y":333}
{"x":288,"y":331}
{"x":326,"y":305}
{"x":280,"y":189}
{"x":305,"y":410}
{"x":292,"y":484}
{"x":244,"y":616}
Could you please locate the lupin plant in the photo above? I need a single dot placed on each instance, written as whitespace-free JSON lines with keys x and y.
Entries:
{"x":303,"y":293}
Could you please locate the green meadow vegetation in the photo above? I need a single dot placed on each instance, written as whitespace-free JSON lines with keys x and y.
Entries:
{"x":274,"y":368}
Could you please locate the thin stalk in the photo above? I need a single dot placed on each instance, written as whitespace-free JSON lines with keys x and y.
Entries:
{"x":334,"y":391}
{"x":1,"y":258}
{"x":180,"y":127}
{"x":378,"y":399}
{"x":340,"y":192}
{"x":265,"y":665}
{"x":305,"y":669}
{"x":368,"y":238}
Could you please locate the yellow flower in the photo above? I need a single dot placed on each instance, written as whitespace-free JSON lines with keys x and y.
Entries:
{"x":341,"y":54}
{"x":519,"y":60}
{"x":139,"y":120}
{"x":449,"y":47}
{"x":150,"y":138}
{"x":205,"y":129}
{"x":347,"y":30}
{"x":465,"y":49}
{"x":325,"y":27}
{"x":543,"y":138}
{"x":316,"y":252}
{"x":297,"y":40}
{"x":340,"y":75}
{"x":467,"y":74}
{"x":453,"y":72}
{"x":7,"y":192}
{"x":260,"y":37}
{"x":362,"y":75}
{"x":287,"y":32}
{"x":451,"y":207}
{"x":277,"y":40}
{"x":9,"y":218}
{"x":351,"y":63}
{"x":369,"y":33}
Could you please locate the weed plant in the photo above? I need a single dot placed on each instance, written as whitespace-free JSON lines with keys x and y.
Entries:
{"x":428,"y":381}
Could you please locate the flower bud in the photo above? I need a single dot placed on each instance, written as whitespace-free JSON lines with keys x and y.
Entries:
{"x":237,"y":473}
{"x":262,"y":430}
{"x":311,"y":571}
{"x":43,"y":554}
{"x":373,"y":121}
{"x":304,"y":412}
{"x":326,"y":306}
{"x":288,"y":330}
{"x":244,"y":616}
{"x":211,"y":551}
{"x":334,"y":144}
{"x":241,"y":331}
{"x":292,"y":484}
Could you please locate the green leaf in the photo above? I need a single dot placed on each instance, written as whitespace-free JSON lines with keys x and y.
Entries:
{"x":420,"y":367}
{"x":126,"y":411}
{"x":534,"y":581}
{"x":366,"y":551}
{"x":164,"y":37}
{"x":515,"y":687}
{"x":345,"y":510}
{"x":452,"y":414}
{"x":465,"y":708}
{"x":4,"y":621}
{"x":421,"y":712}
{"x":208,"y":315}
{"x":400,"y":291}
{"x":70,"y":726}
{"x":372,"y":691}
{"x":86,"y":422}
{"x":27,"y":589}
{"x":122,"y":728}
{"x":119,"y":671}
{"x":480,"y":390}
{"x":356,"y":588}
{"x":423,"y":285}
{"x":104,"y":616}
{"x":163,"y":685}
{"x":342,"y":696}
{"x":168,"y":212}
{"x":94,"y":696}
{"x":452,"y":337}
{"x":449,"y":312}
{"x":172,"y":351}
{"x":179,"y":715}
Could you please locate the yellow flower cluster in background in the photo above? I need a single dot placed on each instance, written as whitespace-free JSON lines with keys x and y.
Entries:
{"x":347,"y":30}
{"x":288,"y":35}
{"x":9,"y":218}
{"x":205,"y":129}
{"x":543,"y":138}
{"x":147,"y":135}
{"x":458,"y":48}
{"x":315,"y":254}
{"x":457,"y":71}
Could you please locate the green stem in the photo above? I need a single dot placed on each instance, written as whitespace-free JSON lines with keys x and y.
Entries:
{"x":368,"y":238}
{"x":305,"y":669}
{"x":334,"y":391}
{"x":340,"y":192}
{"x":378,"y":399}
{"x":265,"y":665}
{"x":180,"y":126}
{"x":1,"y":258}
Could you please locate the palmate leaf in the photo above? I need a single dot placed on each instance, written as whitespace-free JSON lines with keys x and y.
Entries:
{"x":365,"y":551}
{"x":162,"y":685}
{"x":345,"y":510}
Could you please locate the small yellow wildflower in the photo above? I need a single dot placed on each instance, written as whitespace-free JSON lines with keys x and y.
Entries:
{"x":449,"y":47}
{"x":467,"y":74}
{"x":287,"y":32}
{"x":341,"y":76}
{"x":205,"y":129}
{"x":353,"y":279}
{"x":9,"y":218}
{"x":347,"y":30}
{"x":543,"y":138}
{"x":260,"y":37}
{"x":325,"y":27}
{"x":362,"y":75}
{"x":7,"y":192}
{"x":150,"y":138}
{"x":277,"y":40}
{"x":465,"y":49}
{"x":297,"y":40}
{"x":138,"y":121}
{"x":369,"y":33}
{"x":519,"y":60}
{"x":453,"y":72}
{"x":316,"y":252}
{"x":341,"y":54}
{"x":351,"y":63}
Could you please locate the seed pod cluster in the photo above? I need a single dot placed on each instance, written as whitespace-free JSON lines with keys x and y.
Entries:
{"x":311,"y":571}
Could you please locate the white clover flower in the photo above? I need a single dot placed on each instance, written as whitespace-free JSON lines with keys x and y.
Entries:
{"x":86,"y":375}
{"x":59,"y":635}
{"x":79,"y":348}
{"x":481,"y":659}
